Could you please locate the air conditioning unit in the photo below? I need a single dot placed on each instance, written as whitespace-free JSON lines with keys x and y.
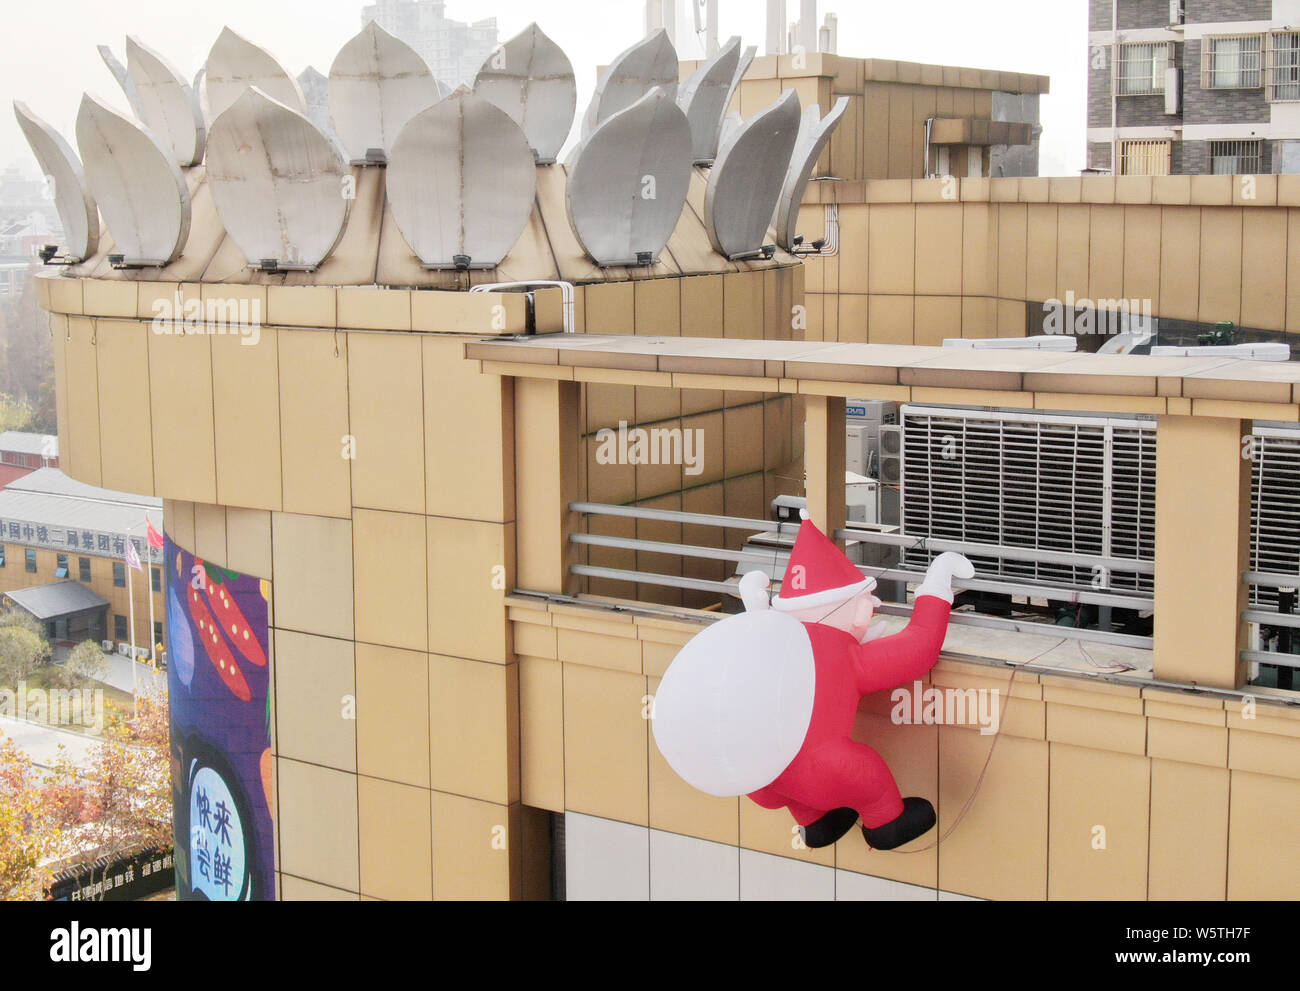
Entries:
{"x":124,"y":649}
{"x":1173,"y":91}
{"x":106,"y":646}
{"x":891,"y":455}
{"x":857,"y":451}
{"x":1177,"y":12}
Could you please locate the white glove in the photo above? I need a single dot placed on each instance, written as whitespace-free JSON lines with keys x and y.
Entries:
{"x":753,"y":591}
{"x":945,"y":567}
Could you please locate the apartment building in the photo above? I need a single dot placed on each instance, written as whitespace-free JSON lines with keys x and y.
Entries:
{"x":1194,"y":87}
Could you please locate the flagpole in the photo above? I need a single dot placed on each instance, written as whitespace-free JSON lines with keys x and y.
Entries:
{"x":153,"y":640}
{"x":130,"y":605}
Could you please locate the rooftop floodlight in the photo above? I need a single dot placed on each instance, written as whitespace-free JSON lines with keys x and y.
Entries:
{"x":117,"y":260}
{"x":645,"y":258}
{"x":461,"y":262}
{"x":819,"y":244}
{"x":376,"y":156}
{"x":268,"y":265}
{"x":48,"y":252}
{"x":769,"y":251}
{"x":798,"y":240}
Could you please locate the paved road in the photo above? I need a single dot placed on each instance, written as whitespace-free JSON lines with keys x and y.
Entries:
{"x":42,"y":742}
{"x":119,"y":672}
{"x":119,"y":675}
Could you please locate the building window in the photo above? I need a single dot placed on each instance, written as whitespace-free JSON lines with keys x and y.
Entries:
{"x":157,"y":633}
{"x":1232,"y":62}
{"x":31,"y":560}
{"x":83,"y":565}
{"x":1145,"y":157}
{"x":1140,"y":68}
{"x":1284,"y":66}
{"x":156,"y":579}
{"x":119,"y":627}
{"x":119,"y":574}
{"x":1236,"y":157}
{"x":61,"y":571}
{"x":2,"y":555}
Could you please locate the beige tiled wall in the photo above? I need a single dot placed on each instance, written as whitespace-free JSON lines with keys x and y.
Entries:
{"x":907,"y":253}
{"x":1092,"y":791}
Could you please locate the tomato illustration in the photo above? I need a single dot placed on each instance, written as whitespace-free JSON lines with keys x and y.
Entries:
{"x":234,"y":624}
{"x":215,"y":646}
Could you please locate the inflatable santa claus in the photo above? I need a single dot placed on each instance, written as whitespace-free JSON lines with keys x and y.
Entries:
{"x":763,"y":703}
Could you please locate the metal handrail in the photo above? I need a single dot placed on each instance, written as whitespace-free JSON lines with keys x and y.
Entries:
{"x":1126,"y":565}
{"x":1266,"y":657}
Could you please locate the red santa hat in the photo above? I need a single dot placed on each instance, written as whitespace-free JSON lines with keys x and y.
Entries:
{"x":818,"y":573}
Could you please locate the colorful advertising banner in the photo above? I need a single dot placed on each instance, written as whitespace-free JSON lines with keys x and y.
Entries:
{"x":219,"y":682}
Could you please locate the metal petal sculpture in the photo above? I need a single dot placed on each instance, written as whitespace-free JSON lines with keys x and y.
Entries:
{"x":461,"y":183}
{"x":376,"y":84}
{"x":814,"y":134}
{"x":531,"y":79}
{"x":137,"y":184}
{"x":72,"y":199}
{"x":746,"y":181}
{"x":633,"y":73}
{"x":123,"y":78}
{"x":234,"y":64}
{"x":277,"y":182}
{"x":167,"y":105}
{"x":704,"y":97}
{"x":629,"y":184}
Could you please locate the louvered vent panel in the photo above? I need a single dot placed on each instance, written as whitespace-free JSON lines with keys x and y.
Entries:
{"x":1275,"y":518}
{"x":1073,"y":484}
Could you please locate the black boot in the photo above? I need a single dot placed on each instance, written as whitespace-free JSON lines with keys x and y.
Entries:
{"x":917,"y":819}
{"x":827,"y":830}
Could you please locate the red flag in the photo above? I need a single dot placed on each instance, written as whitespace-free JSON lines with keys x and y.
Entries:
{"x":155,"y":538}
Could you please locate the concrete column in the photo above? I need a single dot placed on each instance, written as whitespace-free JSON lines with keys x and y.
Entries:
{"x":546,"y":482}
{"x":824,"y":432}
{"x":1202,"y":548}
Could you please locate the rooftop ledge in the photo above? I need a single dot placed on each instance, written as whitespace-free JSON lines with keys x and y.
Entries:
{"x":984,"y":653}
{"x":1232,"y":388}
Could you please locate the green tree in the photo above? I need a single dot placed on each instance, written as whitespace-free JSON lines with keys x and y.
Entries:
{"x":21,"y":653}
{"x":85,"y":664}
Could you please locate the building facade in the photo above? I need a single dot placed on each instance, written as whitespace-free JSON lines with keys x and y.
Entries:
{"x":445,"y":612}
{"x":454,"y":50}
{"x":1194,"y":87}
{"x":55,"y":529}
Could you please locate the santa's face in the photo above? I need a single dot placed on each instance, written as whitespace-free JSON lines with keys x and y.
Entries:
{"x":853,"y":616}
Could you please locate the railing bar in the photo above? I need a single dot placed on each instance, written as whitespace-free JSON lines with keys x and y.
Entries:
{"x":672,"y":516}
{"x":1128,"y":565}
{"x":1034,"y":629}
{"x":1029,"y":591}
{"x":645,"y":578}
{"x":1264,"y":657}
{"x":1270,"y":579}
{"x":1267,"y":618}
{"x":682,"y":550}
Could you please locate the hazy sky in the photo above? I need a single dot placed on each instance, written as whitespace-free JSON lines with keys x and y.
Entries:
{"x":48,"y":56}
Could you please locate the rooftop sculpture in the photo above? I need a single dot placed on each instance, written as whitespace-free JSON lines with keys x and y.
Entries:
{"x":467,"y":178}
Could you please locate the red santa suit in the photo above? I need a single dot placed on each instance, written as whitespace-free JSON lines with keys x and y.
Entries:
{"x":796,"y":668}
{"x":832,"y":770}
